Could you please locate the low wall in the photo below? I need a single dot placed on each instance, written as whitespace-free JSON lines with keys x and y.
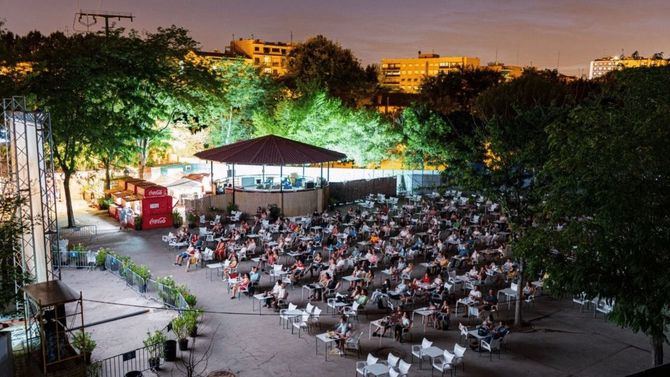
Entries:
{"x":346,"y":192}
{"x":295,"y":203}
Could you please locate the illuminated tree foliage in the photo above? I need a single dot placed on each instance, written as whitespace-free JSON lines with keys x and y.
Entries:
{"x":246,"y":92}
{"x":319,"y":119}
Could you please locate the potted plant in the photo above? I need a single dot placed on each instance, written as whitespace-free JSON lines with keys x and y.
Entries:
{"x":180,"y":327}
{"x":85,"y":344}
{"x":167,"y":290}
{"x":154,"y":342}
{"x":192,"y":317}
{"x":191,"y":218}
{"x":191,"y":300}
{"x":177,"y":219}
{"x":138,"y":222}
{"x":101,"y":257}
{"x":143,"y":272}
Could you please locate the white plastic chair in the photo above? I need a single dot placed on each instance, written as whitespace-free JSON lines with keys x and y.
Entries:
{"x":351,"y":311}
{"x":418,"y":349}
{"x":403,"y":368}
{"x":361,"y":366}
{"x":491,"y":347}
{"x":282,"y":313}
{"x":276,"y":272}
{"x":301,"y":323}
{"x":459,"y":352}
{"x":392,"y":360}
{"x":444,"y":363}
{"x":463,"y":331}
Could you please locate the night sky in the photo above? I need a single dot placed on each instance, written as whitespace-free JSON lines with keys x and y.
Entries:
{"x":522,"y":31}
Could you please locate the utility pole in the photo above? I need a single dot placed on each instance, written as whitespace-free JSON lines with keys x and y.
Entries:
{"x":105,"y":15}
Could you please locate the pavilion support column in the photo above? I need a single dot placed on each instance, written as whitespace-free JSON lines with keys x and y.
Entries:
{"x":233,"y":184}
{"x":281,"y":186}
{"x":263,"y":175}
{"x":211,"y":177}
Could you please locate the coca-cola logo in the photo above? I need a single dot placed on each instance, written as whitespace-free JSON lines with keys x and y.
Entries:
{"x":158,"y":220}
{"x":155,"y":192}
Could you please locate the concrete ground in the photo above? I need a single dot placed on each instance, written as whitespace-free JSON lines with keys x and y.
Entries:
{"x":560,"y":342}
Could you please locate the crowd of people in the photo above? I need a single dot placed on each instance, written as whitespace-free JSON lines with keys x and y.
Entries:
{"x":427,"y":252}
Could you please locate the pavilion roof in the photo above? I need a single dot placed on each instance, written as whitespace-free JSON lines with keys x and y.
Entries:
{"x":270,"y":150}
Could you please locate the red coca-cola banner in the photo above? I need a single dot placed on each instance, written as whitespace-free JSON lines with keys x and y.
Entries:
{"x":151,"y":191}
{"x":156,"y":221}
{"x":157,"y":206}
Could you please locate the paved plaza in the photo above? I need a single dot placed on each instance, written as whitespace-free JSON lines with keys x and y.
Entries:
{"x":561,"y":341}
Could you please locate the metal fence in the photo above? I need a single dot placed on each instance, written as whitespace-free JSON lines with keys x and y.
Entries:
{"x":151,"y":289}
{"x":140,"y":360}
{"x":132,"y":279}
{"x":168,"y":296}
{"x":80,"y":233}
{"x":74,"y":259}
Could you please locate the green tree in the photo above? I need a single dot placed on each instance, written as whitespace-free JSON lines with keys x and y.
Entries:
{"x":446,"y":93}
{"x":610,"y":185}
{"x":246,"y":92}
{"x":322,"y":120}
{"x":11,"y":230}
{"x":321,"y":64}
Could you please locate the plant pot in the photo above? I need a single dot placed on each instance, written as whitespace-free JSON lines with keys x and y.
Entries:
{"x":194,"y":332}
{"x":191,"y":226}
{"x":134,"y":373}
{"x":142,"y":288}
{"x":87,"y":357}
{"x":103,"y":268}
{"x":183,"y":344}
{"x":170,"y":350}
{"x":154,"y":363}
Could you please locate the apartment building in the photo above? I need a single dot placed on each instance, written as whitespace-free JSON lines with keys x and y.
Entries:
{"x":270,"y":57}
{"x":601,"y":67}
{"x":406,"y":74}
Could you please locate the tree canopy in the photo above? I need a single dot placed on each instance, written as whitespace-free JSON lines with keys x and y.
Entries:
{"x":610,"y":187}
{"x":321,"y":64}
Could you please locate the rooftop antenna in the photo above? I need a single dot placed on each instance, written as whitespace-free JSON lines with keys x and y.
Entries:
{"x":291,"y":36}
{"x":89,"y":18}
{"x":558,"y":60}
{"x":496,"y":55}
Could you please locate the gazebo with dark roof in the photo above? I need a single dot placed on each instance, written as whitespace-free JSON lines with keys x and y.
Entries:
{"x":269,"y":150}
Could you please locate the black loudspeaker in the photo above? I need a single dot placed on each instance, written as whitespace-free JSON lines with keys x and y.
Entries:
{"x":309,"y":185}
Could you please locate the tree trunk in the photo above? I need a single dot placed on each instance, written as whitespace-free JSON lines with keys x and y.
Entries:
{"x":143,"y":158}
{"x":68,"y":198}
{"x":657,"y":350}
{"x":108,"y":178}
{"x":519,"y":297}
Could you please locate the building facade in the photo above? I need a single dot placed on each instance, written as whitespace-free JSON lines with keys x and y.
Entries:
{"x":406,"y":74}
{"x":601,"y":67}
{"x":270,"y":57}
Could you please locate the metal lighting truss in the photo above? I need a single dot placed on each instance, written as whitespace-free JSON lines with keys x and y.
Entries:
{"x":26,"y":137}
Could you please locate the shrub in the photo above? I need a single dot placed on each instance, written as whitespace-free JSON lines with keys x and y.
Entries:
{"x":83,"y":342}
{"x":101,"y":257}
{"x":180,"y":327}
{"x":141,"y":270}
{"x":191,"y":300}
{"x":104,"y":203}
{"x":231,"y":207}
{"x":154,"y":342}
{"x":177,"y":219}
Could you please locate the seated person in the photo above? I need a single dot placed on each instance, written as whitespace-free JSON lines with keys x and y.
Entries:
{"x":443,"y":316}
{"x":184,"y":254}
{"x":241,"y":285}
{"x":389,"y":321}
{"x":402,"y":326}
{"x":232,"y":265}
{"x":220,"y":251}
{"x":193,"y":259}
{"x":296,"y":270}
{"x":317,"y":264}
{"x":475,"y":295}
{"x":342,"y":332}
{"x":276,"y":295}
{"x":490,"y":301}
{"x":254,"y":279}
